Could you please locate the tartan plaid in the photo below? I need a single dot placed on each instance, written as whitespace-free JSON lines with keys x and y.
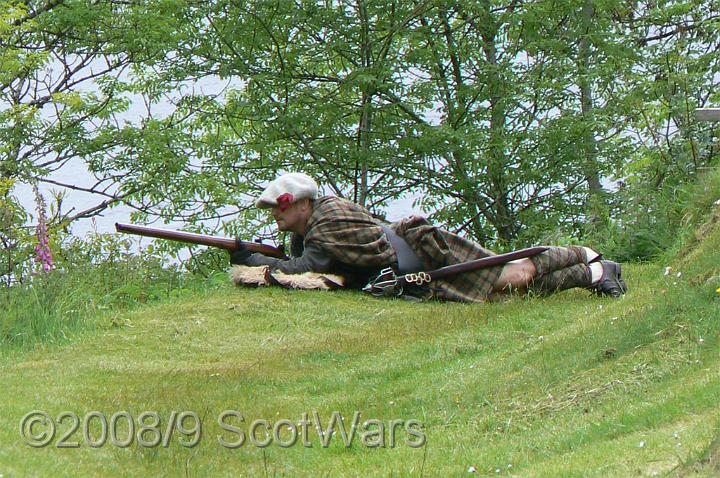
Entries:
{"x":556,"y":258}
{"x":574,"y":276}
{"x":352,"y":237}
{"x":355,"y":241}
{"x":437,"y":247}
{"x":349,"y":234}
{"x":560,"y":268}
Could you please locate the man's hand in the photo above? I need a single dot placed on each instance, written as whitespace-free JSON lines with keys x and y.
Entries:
{"x":240,"y":255}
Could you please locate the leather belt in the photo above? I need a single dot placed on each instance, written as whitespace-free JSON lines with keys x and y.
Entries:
{"x":407,"y":260}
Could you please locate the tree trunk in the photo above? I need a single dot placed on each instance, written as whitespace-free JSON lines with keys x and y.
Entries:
{"x":501,"y":216}
{"x":365,"y":126}
{"x":589,"y":145}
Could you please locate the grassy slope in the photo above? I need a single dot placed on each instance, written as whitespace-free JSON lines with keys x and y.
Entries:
{"x":564,"y":386}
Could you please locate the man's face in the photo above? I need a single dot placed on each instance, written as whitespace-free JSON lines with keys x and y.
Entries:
{"x":294,"y":218}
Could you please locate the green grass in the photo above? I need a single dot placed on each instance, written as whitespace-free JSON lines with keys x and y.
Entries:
{"x":570,"y":385}
{"x":50,"y":309}
{"x":563,"y":386}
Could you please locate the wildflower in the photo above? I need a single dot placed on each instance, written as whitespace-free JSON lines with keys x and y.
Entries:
{"x":43,"y":255}
{"x":717,"y":290}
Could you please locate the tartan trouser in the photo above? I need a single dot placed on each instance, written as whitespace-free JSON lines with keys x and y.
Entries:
{"x":560,"y":268}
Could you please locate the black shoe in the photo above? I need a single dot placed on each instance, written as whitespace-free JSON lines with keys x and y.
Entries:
{"x":611,"y":282}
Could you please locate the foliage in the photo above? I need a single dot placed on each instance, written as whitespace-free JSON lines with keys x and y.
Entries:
{"x":654,"y":223}
{"x":510,"y":119}
{"x":65,"y":91}
{"x":94,"y":280}
{"x":13,"y":237}
{"x":513,"y":121}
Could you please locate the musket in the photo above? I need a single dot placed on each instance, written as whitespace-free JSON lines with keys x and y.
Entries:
{"x":202,"y":239}
{"x":389,"y":284}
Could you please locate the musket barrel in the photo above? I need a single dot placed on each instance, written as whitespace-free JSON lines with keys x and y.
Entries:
{"x":202,"y":239}
{"x":189,"y":237}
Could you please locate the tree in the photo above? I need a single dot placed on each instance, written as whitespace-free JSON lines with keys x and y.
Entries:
{"x":64,"y":98}
{"x":508,"y":117}
{"x":378,"y":99}
{"x":310,"y":86}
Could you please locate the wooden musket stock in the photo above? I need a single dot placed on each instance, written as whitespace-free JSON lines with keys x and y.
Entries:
{"x":202,"y":239}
